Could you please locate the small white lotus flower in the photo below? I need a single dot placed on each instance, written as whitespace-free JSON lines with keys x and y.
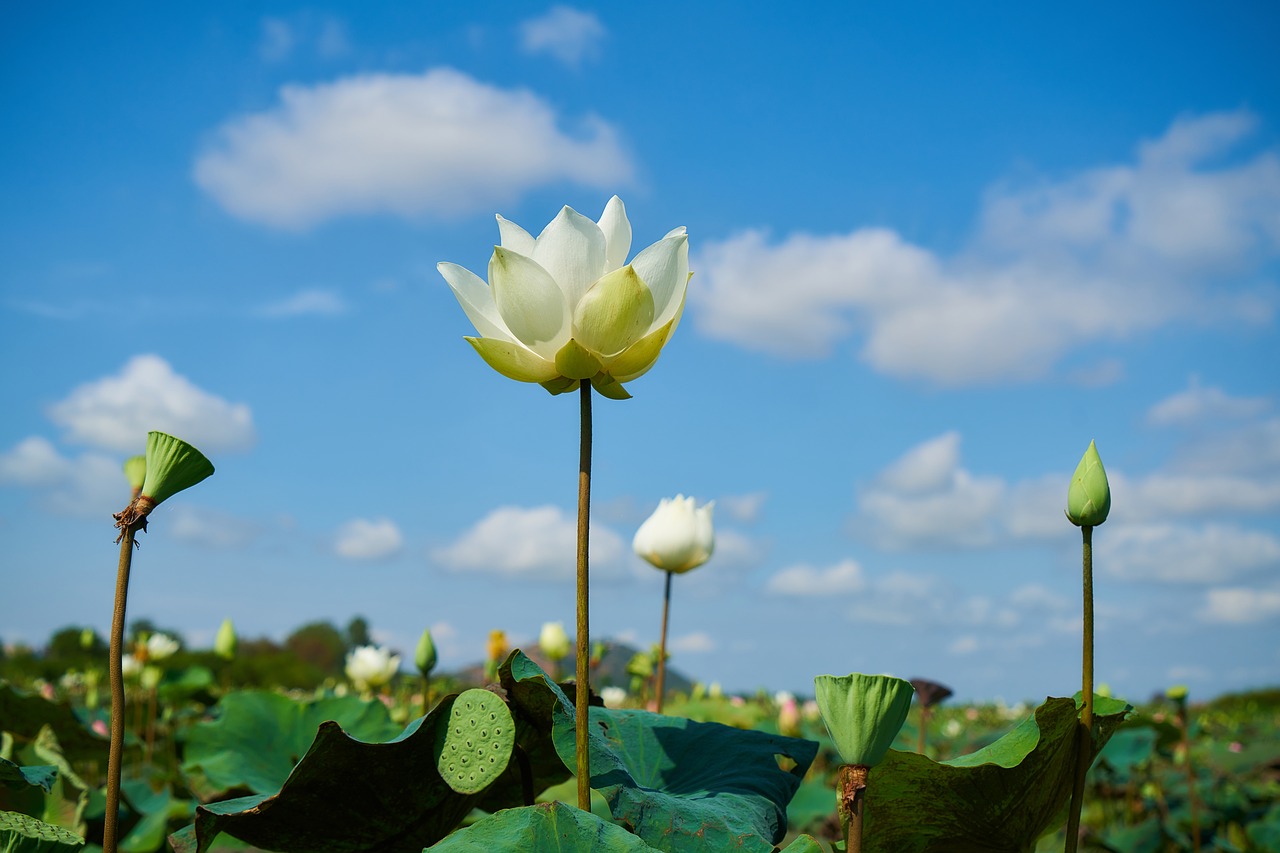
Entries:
{"x":782,"y":697}
{"x":130,"y":666}
{"x":369,"y":667}
{"x":566,"y":307}
{"x":677,"y":537}
{"x":161,"y":646}
{"x":613,"y":696}
{"x":553,"y":641}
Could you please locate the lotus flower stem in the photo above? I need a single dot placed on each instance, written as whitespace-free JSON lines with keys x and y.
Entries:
{"x":662,"y":646}
{"x":1084,"y":738}
{"x":115,"y":675}
{"x":426,"y":694}
{"x":924,"y":725}
{"x":852,"y":793}
{"x":582,"y":657}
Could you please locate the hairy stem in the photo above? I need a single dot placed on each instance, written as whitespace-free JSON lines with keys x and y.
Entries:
{"x":1084,"y":734}
{"x":851,"y":803}
{"x":662,"y":646}
{"x":115,"y":675}
{"x":582,"y":687}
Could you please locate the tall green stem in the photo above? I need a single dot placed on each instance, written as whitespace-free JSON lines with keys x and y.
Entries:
{"x":426,"y":693}
{"x":851,"y":793}
{"x":115,"y":675}
{"x":583,"y":656}
{"x":1084,"y":733}
{"x":662,"y":645}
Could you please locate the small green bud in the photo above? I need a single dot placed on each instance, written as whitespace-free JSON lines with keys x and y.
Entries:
{"x":224,"y":644}
{"x":87,"y":636}
{"x":135,"y":471}
{"x":863,"y":713}
{"x":1089,"y":497}
{"x":425,"y":656}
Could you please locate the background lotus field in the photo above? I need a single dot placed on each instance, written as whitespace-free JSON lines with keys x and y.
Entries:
{"x":212,"y":729}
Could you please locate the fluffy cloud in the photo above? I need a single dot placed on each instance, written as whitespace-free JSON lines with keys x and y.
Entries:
{"x":745,"y":508}
{"x":1102,"y":255}
{"x":437,"y":143}
{"x":325,"y":35}
{"x":365,"y":539}
{"x":538,"y":542}
{"x":1178,"y":554}
{"x":312,"y":302}
{"x":1200,"y":403}
{"x":698,"y":642}
{"x":1240,"y":605}
{"x":117,"y":412}
{"x":89,"y":485}
{"x":211,"y":528}
{"x":801,"y":580}
{"x":566,"y":34}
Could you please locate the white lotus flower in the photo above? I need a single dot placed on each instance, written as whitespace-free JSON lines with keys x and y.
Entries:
{"x":613,"y":697}
{"x":369,"y":667}
{"x":130,"y":666}
{"x":553,"y":641}
{"x":160,"y":646}
{"x":677,"y":537}
{"x":565,"y":307}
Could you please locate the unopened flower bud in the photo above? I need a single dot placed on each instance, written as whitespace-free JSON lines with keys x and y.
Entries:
{"x":224,"y":644}
{"x":425,"y":657}
{"x":1089,"y":497}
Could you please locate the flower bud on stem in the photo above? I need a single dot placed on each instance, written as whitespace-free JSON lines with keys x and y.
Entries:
{"x":1084,"y":734}
{"x":662,"y":647}
{"x":851,"y":802}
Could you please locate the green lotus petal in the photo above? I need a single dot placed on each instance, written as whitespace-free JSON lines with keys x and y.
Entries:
{"x":135,"y":471}
{"x":615,"y":313}
{"x":561,"y":385}
{"x":529,"y":301}
{"x":1089,"y":496}
{"x":576,"y":362}
{"x":172,"y":465}
{"x":863,"y":713}
{"x":639,"y":357}
{"x":514,"y":361}
{"x":609,"y":387}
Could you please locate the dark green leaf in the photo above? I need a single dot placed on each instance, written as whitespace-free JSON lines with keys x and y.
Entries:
{"x":25,"y":714}
{"x":545,"y":828}
{"x":21,"y":833}
{"x":40,"y":775}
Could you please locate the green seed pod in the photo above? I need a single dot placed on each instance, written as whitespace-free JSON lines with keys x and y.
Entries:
{"x":474,"y":746}
{"x":425,"y":656}
{"x":863,"y":713}
{"x":172,"y":465}
{"x":224,"y":644}
{"x":1089,"y":497}
{"x":135,"y":471}
{"x":22,"y":832}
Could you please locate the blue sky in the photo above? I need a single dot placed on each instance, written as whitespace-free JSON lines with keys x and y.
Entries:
{"x":936,"y":251}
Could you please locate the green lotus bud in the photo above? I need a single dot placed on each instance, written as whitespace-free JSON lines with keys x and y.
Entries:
{"x":151,"y":676}
{"x":86,"y":638}
{"x":425,"y":656}
{"x":135,"y":471}
{"x":863,"y":713}
{"x":224,"y":644}
{"x":1177,"y":693}
{"x":1089,"y":498}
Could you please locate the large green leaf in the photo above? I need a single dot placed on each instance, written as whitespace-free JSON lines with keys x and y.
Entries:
{"x":545,"y":828}
{"x":997,"y":800}
{"x":21,"y":833}
{"x":348,"y":796}
{"x":24,"y":714}
{"x":257,"y":737}
{"x":40,"y":775}
{"x":681,"y":785}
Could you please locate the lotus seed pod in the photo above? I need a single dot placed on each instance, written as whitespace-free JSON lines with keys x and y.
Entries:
{"x":863,"y":713}
{"x":224,"y":644}
{"x":23,"y":832}
{"x":172,"y":465}
{"x":474,"y":745}
{"x":1177,"y":693}
{"x":425,"y":656}
{"x":135,"y":471}
{"x":1089,"y":497}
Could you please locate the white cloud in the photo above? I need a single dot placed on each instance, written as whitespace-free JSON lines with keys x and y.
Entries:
{"x":1103,"y":255}
{"x":324,"y":35}
{"x":695,"y":643}
{"x":1240,"y":605}
{"x":1178,"y":554}
{"x":538,"y":542}
{"x":566,"y":34}
{"x":735,"y":550}
{"x":437,"y":143}
{"x":841,"y":579}
{"x":87,"y":486}
{"x":312,"y":302}
{"x":117,"y":412}
{"x":745,"y":508}
{"x":368,"y":539}
{"x":1200,"y":403}
{"x":211,"y":528}
{"x":963,"y":645}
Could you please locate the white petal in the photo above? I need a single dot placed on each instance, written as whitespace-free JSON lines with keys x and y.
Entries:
{"x":676,"y":232}
{"x":531,"y":305}
{"x":664,"y":267}
{"x":476,"y":299}
{"x":571,"y":249}
{"x":512,"y":236}
{"x":617,"y":234}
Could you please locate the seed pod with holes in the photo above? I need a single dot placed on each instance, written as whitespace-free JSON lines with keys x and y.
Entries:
{"x":474,"y":746}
